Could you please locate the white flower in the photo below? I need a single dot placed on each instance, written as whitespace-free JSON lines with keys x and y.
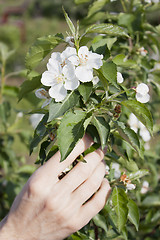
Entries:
{"x":35,"y":119}
{"x":143,"y":51}
{"x":85,"y":62}
{"x":148,"y":1}
{"x":130,"y":186}
{"x":135,"y":124}
{"x":43,"y":94}
{"x":117,"y":172}
{"x":95,"y":80}
{"x":144,"y":133}
{"x":60,"y":75}
{"x":20,"y":114}
{"x":155,"y":1}
{"x":70,"y":41}
{"x":142,"y":93}
{"x":120,"y":78}
{"x":145,"y":187}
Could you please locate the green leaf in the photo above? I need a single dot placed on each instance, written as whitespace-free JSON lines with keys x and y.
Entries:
{"x":133,"y":213}
{"x":119,"y":200}
{"x":96,"y":6}
{"x":29,"y":85}
{"x":128,"y":164}
{"x":40,"y":49}
{"x":109,"y":71}
{"x":106,"y":28}
{"x":71,"y":130}
{"x":138,"y":174}
{"x":121,"y":60}
{"x":85,"y":89}
{"x":141,"y":112}
{"x":58,"y":109}
{"x":81,"y":1}
{"x":70,"y":23}
{"x":5,"y":54}
{"x":129,"y":135}
{"x":10,"y":90}
{"x":100,"y":221}
{"x":29,"y":169}
{"x":132,"y":22}
{"x":151,"y":201}
{"x":103,"y":129}
{"x":100,"y":47}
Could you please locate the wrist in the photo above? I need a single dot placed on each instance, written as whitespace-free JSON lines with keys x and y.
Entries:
{"x":6,"y":232}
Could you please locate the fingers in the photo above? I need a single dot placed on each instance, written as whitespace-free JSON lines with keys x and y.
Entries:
{"x":82,"y":171}
{"x":90,"y":186}
{"x":95,"y":204}
{"x":49,"y":172}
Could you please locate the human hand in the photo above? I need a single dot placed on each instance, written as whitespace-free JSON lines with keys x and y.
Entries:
{"x":51,"y":209}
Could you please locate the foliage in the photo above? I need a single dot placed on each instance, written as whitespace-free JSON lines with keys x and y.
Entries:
{"x":129,"y":43}
{"x":14,"y":171}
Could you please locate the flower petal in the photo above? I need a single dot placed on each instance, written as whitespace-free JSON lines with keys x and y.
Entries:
{"x":94,"y":60}
{"x":54,"y":66}
{"x":120,"y":78}
{"x":84,"y":74}
{"x":145,"y":135}
{"x":71,"y":84}
{"x":74,"y":60}
{"x":48,"y":79}
{"x":56,"y":56}
{"x":68,"y":52}
{"x":142,"y":98}
{"x":47,"y":102}
{"x":41,"y":93}
{"x":69,"y":71}
{"x":83,"y":52}
{"x":58,"y":92}
{"x":142,"y":88}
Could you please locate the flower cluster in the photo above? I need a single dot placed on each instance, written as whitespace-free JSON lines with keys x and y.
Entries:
{"x":135,"y":124}
{"x":127,"y":182}
{"x":67,"y":69}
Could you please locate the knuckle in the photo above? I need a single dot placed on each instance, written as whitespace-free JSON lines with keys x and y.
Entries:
{"x":51,"y":204}
{"x":94,"y":185}
{"x":73,"y":226}
{"x":99,"y":203}
{"x":84,"y":171}
{"x":34,"y":188}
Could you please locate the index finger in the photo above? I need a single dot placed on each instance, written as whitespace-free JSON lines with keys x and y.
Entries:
{"x":54,"y":164}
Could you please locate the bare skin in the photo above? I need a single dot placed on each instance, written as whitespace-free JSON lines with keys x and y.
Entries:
{"x":48,"y":208}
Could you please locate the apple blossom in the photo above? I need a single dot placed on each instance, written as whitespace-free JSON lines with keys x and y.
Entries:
{"x":143,"y":51}
{"x":85,"y":62}
{"x":142,"y":93}
{"x":130,"y":186}
{"x":135,"y":124}
{"x":43,"y":94}
{"x":145,"y":187}
{"x":60,"y":75}
{"x":117,"y":172}
{"x":70,"y":41}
